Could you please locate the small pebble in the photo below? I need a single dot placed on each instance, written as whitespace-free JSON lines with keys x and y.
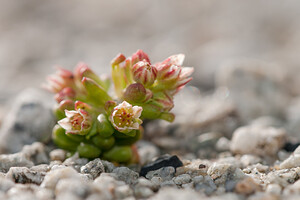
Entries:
{"x":58,"y":154}
{"x":166,"y":173}
{"x":182,"y":179}
{"x":94,"y":168}
{"x":125,"y":174}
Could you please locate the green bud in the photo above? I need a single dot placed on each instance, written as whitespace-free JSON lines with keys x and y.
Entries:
{"x":104,"y":127}
{"x":88,"y":151}
{"x":62,"y":140}
{"x":135,"y":93}
{"x":118,"y":154}
{"x":103,"y":143}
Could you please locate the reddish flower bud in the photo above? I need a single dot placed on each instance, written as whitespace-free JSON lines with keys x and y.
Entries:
{"x":139,"y":56}
{"x":163,"y":100}
{"x":171,"y":75}
{"x":66,"y":93}
{"x":118,"y":59}
{"x":58,"y":81}
{"x":144,"y":73}
{"x":82,"y":70}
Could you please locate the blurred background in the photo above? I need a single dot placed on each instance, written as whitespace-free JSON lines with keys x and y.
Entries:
{"x":37,"y":35}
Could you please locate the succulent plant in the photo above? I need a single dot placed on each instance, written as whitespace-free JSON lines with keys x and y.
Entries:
{"x":95,"y":123}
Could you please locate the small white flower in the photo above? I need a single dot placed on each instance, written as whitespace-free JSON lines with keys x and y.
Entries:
{"x":125,"y":117}
{"x":76,"y":122}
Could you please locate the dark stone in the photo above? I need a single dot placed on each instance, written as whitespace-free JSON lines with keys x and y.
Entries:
{"x":163,"y":161}
{"x":201,"y":166}
{"x":291,"y":147}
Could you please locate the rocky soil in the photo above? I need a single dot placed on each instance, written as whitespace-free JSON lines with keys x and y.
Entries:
{"x":239,"y":141}
{"x":237,"y":127}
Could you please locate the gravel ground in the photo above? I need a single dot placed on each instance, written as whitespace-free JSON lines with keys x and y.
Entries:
{"x":239,"y":141}
{"x":236,"y":132}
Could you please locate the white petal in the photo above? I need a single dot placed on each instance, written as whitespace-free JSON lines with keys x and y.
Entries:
{"x":135,"y":126}
{"x":70,"y":113}
{"x":177,"y":59}
{"x":65,"y":123}
{"x":137,"y":111}
{"x":186,"y":71}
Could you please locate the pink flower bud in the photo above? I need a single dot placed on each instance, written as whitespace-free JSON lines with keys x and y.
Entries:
{"x":77,"y":122}
{"x":171,"y":75}
{"x":164,"y":101}
{"x":144,"y":73}
{"x":139,"y":56}
{"x":125,"y":117}
{"x":61,"y":79}
{"x":65,"y":93}
{"x":175,"y":60}
{"x":118,"y":59}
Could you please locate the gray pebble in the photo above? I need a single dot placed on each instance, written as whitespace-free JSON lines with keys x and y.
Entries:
{"x":198,"y":179}
{"x":40,"y":168}
{"x":94,"y":168}
{"x":36,"y":153}
{"x":156,"y":181}
{"x":58,"y":154}
{"x":123,"y":191}
{"x":169,"y":183}
{"x":172,"y":193}
{"x":76,"y":162}
{"x":188,"y":185}
{"x":67,"y":195}
{"x":143,"y":182}
{"x":125,"y":174}
{"x":14,"y":160}
{"x":208,"y":186}
{"x":5,"y":184}
{"x":166,"y":173}
{"x":108,"y":166}
{"x":75,"y":186}
{"x":143,"y":192}
{"x":24,"y":175}
{"x":52,"y":177}
{"x":230,"y":185}
{"x":30,"y":119}
{"x":182,"y":179}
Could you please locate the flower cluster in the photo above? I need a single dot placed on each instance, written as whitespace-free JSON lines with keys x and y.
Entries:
{"x":95,"y":123}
